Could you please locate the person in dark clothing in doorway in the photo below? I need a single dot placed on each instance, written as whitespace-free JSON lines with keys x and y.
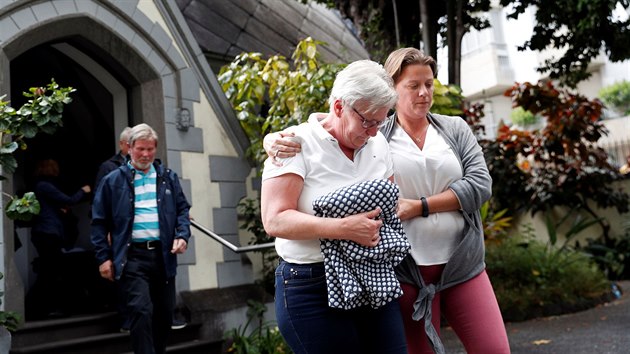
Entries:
{"x":115,"y":161}
{"x":49,"y":234}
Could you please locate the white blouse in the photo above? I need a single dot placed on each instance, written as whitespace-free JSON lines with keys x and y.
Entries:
{"x":424,"y":173}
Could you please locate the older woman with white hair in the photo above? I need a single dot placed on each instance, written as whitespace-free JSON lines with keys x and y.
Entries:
{"x":341,"y":149}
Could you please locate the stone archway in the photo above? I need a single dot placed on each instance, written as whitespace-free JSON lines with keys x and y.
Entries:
{"x":86,"y":139}
{"x":129,"y":49}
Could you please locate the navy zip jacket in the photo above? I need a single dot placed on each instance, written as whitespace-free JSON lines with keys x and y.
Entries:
{"x":113,"y":211}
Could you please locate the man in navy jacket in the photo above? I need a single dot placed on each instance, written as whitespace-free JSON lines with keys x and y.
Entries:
{"x":142,"y":205}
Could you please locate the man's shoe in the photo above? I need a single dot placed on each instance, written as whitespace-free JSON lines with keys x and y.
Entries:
{"x":178,"y":324}
{"x":124,"y":329}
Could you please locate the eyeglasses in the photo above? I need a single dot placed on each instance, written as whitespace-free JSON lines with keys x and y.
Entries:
{"x":367,"y":124}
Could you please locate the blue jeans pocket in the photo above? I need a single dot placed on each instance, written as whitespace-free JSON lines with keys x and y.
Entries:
{"x":291,"y":274}
{"x":300,"y":285}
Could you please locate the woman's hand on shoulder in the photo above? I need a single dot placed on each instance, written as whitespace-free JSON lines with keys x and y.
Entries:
{"x":279,"y":145}
{"x":363,"y":228}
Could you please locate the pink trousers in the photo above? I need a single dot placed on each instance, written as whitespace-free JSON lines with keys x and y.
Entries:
{"x":470,"y":308}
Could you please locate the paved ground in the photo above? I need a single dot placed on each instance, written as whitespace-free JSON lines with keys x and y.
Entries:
{"x":604,"y":329}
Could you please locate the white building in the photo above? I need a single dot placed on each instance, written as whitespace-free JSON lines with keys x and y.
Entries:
{"x":491,"y":64}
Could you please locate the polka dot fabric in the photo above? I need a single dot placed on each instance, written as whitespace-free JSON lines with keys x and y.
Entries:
{"x":357,"y":275}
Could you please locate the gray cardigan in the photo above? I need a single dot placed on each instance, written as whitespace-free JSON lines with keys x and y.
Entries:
{"x":472,"y":190}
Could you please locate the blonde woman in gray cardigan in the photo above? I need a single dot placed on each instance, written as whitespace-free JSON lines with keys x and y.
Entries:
{"x":443,"y":180}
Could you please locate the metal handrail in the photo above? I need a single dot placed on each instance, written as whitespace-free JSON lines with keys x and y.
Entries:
{"x":226,"y":243}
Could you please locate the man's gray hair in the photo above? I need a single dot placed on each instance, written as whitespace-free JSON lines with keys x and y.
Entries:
{"x":142,"y":131}
{"x":124,"y":134}
{"x":364,"y":81}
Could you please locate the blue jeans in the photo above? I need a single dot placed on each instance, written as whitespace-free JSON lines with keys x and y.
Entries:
{"x":310,"y":326}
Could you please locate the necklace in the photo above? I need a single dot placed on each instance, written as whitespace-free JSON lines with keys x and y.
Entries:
{"x":417,"y":139}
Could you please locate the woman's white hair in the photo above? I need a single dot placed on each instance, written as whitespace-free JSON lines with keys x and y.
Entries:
{"x":364,"y":81}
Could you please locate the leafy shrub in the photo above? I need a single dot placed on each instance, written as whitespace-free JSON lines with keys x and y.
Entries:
{"x":265,"y":339}
{"x":617,"y":96}
{"x":612,"y":254}
{"x":533,"y":279}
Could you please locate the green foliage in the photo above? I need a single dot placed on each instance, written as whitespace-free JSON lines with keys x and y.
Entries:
{"x":41,"y":113}
{"x":533,"y":279}
{"x":379,"y":43}
{"x":264,"y":339}
{"x":582,"y":29}
{"x":559,"y":165}
{"x":578,"y":224}
{"x":521,"y":117}
{"x":270,"y":95}
{"x":23,"y":208}
{"x":8,"y":319}
{"x":612,"y":255}
{"x":495,"y":223}
{"x":617,"y":96}
{"x":447,"y":99}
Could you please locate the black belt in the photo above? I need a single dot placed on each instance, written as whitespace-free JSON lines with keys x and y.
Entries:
{"x":147,"y":245}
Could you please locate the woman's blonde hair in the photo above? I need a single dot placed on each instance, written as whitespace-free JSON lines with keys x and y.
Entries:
{"x":400,"y":58}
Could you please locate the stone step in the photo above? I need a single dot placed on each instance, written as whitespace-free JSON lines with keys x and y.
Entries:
{"x":96,"y":334}
{"x":49,"y":331}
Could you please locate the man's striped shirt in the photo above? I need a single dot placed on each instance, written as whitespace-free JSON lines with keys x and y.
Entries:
{"x":146,"y":225}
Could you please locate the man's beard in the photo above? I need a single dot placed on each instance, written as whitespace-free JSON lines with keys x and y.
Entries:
{"x":141,"y":165}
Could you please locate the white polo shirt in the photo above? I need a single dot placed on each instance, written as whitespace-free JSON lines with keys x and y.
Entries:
{"x":324,"y":168}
